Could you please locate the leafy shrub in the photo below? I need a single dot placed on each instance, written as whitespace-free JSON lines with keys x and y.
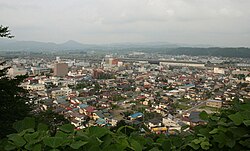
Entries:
{"x":228,"y":130}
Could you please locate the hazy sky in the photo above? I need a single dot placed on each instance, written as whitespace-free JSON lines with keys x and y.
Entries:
{"x":215,"y":22}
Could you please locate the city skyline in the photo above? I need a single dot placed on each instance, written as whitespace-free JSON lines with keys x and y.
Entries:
{"x":223,"y":23}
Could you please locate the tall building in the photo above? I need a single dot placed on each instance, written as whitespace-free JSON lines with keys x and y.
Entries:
{"x":97,"y":73}
{"x":61,"y":69}
{"x":111,"y":61}
{"x":58,"y":59}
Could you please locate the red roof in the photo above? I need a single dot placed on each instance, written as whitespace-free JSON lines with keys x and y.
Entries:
{"x":29,"y":78}
{"x":90,"y":109}
{"x":141,"y":97}
{"x":68,"y":108}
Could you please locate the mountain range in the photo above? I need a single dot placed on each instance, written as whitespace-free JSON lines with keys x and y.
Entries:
{"x":8,"y":45}
{"x":14,"y":45}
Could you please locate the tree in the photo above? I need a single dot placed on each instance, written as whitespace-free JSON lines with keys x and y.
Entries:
{"x":13,"y":102}
{"x":52,"y":119}
{"x":5,"y":32}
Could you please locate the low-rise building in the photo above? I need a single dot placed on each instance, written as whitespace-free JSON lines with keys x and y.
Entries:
{"x":35,"y":87}
{"x":214,"y":103}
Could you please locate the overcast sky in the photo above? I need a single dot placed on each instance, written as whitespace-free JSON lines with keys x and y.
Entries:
{"x":214,"y":22}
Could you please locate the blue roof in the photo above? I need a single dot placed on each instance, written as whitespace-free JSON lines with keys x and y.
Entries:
{"x":135,"y":115}
{"x":60,"y":101}
{"x":87,"y":77}
{"x":189,"y":85}
{"x":83,"y":105}
{"x":75,"y":109}
{"x":62,"y":97}
{"x":101,"y":121}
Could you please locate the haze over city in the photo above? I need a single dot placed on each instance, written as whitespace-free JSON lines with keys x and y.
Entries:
{"x":124,"y":75}
{"x":211,"y":22}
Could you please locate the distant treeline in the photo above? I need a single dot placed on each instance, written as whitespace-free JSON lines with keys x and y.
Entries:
{"x":240,"y":52}
{"x":212,"y":51}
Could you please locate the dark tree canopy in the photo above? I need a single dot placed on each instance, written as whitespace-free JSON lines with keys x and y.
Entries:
{"x":5,"y":32}
{"x":13,"y":102}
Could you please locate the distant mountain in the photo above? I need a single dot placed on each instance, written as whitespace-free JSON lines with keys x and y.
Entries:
{"x":25,"y":45}
{"x":6,"y":44}
{"x":40,"y":46}
{"x":156,"y":47}
{"x":71,"y":44}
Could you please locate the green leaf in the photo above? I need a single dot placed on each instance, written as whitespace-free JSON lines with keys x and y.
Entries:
{"x":24,"y":124}
{"x":113,"y":147}
{"x":238,"y":131}
{"x":17,"y":140}
{"x":68,"y":128}
{"x":81,"y":133}
{"x":230,"y":143}
{"x":77,"y":144}
{"x":247,"y":122}
{"x":160,"y":140}
{"x":166,"y":145}
{"x":154,"y":149}
{"x":61,"y":134}
{"x":220,"y":138}
{"x":245,"y":106}
{"x":54,"y":150}
{"x":123,"y":142}
{"x":222,"y":128}
{"x":92,"y":141}
{"x":29,"y":146}
{"x":42,"y":127}
{"x":37,"y":147}
{"x":99,"y":140}
{"x":236,"y":118}
{"x":245,"y":115}
{"x":135,"y":145}
{"x":107,"y":140}
{"x":97,"y":131}
{"x":30,"y":130}
{"x":53,"y":142}
{"x":204,"y":131}
{"x":194,"y":146}
{"x":214,"y":131}
{"x":245,"y":142}
{"x":140,"y":139}
{"x":176,"y":141}
{"x":215,"y":118}
{"x":204,"y":115}
{"x":205,"y":145}
{"x":196,"y":141}
{"x":222,"y":123}
{"x":94,"y":148}
{"x":31,"y":137}
{"x":9,"y":146}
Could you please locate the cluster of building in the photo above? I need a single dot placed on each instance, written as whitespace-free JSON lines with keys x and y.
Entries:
{"x":157,"y":95}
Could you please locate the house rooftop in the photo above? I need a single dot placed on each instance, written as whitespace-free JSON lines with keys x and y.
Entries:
{"x":135,"y":115}
{"x":195,"y":117}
